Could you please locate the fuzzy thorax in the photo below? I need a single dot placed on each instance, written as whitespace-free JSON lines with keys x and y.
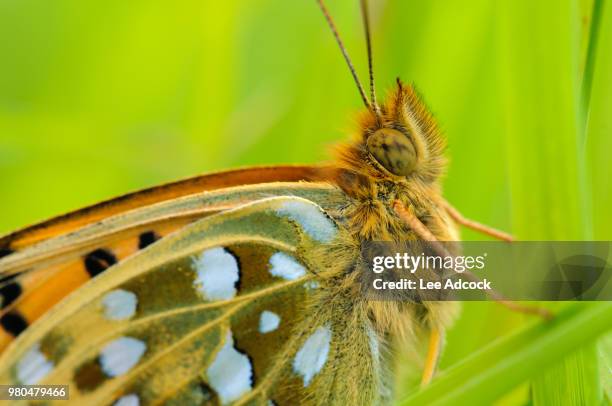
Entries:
{"x":397,"y":155}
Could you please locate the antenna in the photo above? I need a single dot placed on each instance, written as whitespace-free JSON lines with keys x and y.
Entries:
{"x":332,"y":26}
{"x":366,"y":27}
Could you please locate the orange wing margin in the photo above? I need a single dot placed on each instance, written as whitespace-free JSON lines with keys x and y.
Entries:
{"x":26,"y":296}
{"x":77,"y":219}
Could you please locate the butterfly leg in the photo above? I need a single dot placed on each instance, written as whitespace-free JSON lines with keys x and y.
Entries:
{"x":474,"y":225}
{"x":423,"y":232}
{"x":436,"y":337}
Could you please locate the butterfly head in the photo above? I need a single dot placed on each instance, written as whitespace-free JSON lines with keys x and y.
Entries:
{"x":398,"y":141}
{"x":391,"y":141}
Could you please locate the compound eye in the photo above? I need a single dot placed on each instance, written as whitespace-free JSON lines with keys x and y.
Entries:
{"x":393,"y":150}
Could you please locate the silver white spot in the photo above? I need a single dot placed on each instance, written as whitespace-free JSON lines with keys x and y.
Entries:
{"x":311,"y":358}
{"x":312,"y":219}
{"x":286,"y":267}
{"x":268,"y":321}
{"x":119,"y":304}
{"x":217,"y":274}
{"x":231,"y":373}
{"x":128,"y":400}
{"x":33,"y":366}
{"x":120,"y":355}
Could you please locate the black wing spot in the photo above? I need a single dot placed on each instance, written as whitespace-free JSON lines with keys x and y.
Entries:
{"x":98,"y":261}
{"x":9,"y":293}
{"x":147,"y":238}
{"x":238,"y":283}
{"x":13,"y":323}
{"x":5,"y":251}
{"x":4,"y":280}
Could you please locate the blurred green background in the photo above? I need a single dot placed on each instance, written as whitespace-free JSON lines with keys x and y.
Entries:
{"x":99,"y":98}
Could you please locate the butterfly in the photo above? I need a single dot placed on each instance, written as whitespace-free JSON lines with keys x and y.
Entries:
{"x":236,"y":287}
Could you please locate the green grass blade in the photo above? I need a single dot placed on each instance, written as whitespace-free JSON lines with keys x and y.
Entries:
{"x":589,"y":68}
{"x":540,"y":93}
{"x":573,"y":381}
{"x":485,"y":376}
{"x":605,"y":366}
{"x":550,"y":191}
{"x":599,"y":142}
{"x":599,"y":145}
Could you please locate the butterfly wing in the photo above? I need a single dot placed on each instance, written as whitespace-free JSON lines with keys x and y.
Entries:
{"x":40,"y":275}
{"x":80,"y":218}
{"x":248,"y":306}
